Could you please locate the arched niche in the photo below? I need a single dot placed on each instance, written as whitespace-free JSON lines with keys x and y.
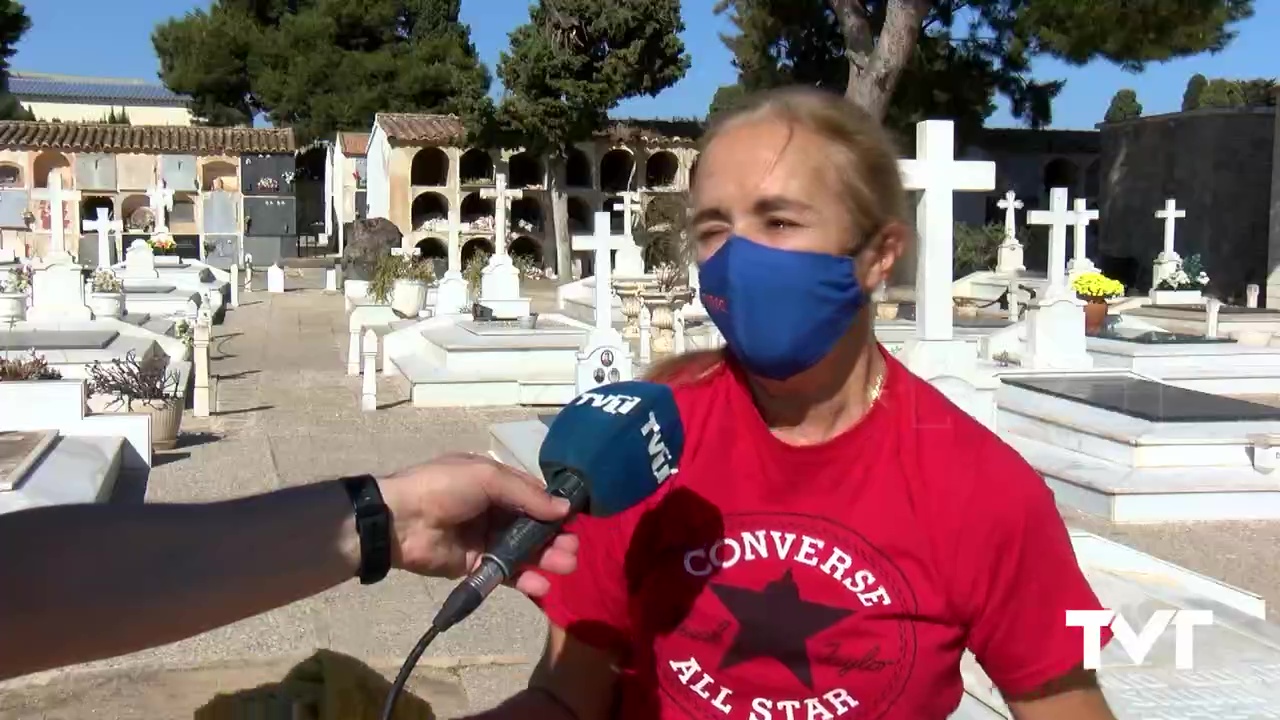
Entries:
{"x":525,"y":246}
{"x":617,"y":219}
{"x":429,"y":211}
{"x":474,"y":247}
{"x":661,"y":170}
{"x":616,"y":170}
{"x":435,"y":251}
{"x":579,"y":216}
{"x":430,"y":168}
{"x":525,"y":170}
{"x":182,"y":218}
{"x":136,"y":211}
{"x":47,"y":162}
{"x":1060,"y":172}
{"x":89,"y":207}
{"x":475,"y":167}
{"x":526,"y":215}
{"x":10,"y":176}
{"x":476,"y":211}
{"x":577,"y":169}
{"x":220,"y":175}
{"x":1093,"y":179}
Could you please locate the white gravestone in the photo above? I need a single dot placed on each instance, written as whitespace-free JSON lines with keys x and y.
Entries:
{"x":451,"y":291}
{"x":606,"y":357}
{"x":630,"y":257}
{"x":1081,"y":216}
{"x":160,"y":199}
{"x":1168,"y":261}
{"x":369,"y":376}
{"x":57,"y":294}
{"x":248,"y":273}
{"x":1010,"y":260}
{"x":934,"y":351}
{"x":104,"y":226}
{"x":1055,"y":322}
{"x":331,"y":279}
{"x":235,"y":285}
{"x":1251,"y":293}
{"x":646,"y":333}
{"x":202,"y":405}
{"x":500,"y":279}
{"x":1212,"y":309}
{"x":140,"y":261}
{"x":275,"y":278}
{"x":57,"y":197}
{"x":695,"y":308}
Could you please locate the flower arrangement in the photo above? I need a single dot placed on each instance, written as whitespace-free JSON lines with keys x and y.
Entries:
{"x":288,"y":176}
{"x":1096,"y":287}
{"x":473,"y":271}
{"x":129,"y":381}
{"x":163,"y":243}
{"x":268,"y":184}
{"x":1188,"y":275}
{"x":185,"y":332}
{"x":105,"y":281}
{"x":32,"y":367}
{"x":17,"y":280}
{"x":391,"y":268}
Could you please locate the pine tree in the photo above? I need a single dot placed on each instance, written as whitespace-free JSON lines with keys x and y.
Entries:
{"x":1124,"y":106}
{"x":1195,"y":88}
{"x":14,"y":23}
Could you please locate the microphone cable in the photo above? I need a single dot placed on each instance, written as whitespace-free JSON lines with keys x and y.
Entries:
{"x":406,"y":670}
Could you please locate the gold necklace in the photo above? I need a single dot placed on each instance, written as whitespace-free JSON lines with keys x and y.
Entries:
{"x":876,"y":388}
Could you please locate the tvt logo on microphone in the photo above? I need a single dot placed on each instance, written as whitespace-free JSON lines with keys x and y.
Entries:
{"x":1137,"y":645}
{"x":608,"y":402}
{"x":659,"y":454}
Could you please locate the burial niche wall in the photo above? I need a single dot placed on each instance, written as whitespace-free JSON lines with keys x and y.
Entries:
{"x":430,"y":168}
{"x":136,"y":213}
{"x":218,"y":175}
{"x":475,"y":211}
{"x":95,"y":171}
{"x":577,"y":169}
{"x":1217,"y":165}
{"x":270,"y":216}
{"x":579,"y":216}
{"x":526,"y":247}
{"x":10,"y":176}
{"x":661,"y":170}
{"x":475,"y":167}
{"x":182,"y":219}
{"x":267,"y":174}
{"x":220,"y":213}
{"x":49,"y":161}
{"x":474,"y":247}
{"x":135,"y":171}
{"x":435,"y":251}
{"x":617,"y":171}
{"x":617,"y":220}
{"x":525,"y":170}
{"x":526,"y":215}
{"x":430,"y":211}
{"x":180,"y":172}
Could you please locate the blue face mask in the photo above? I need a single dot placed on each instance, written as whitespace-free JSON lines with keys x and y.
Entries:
{"x":780,"y":311}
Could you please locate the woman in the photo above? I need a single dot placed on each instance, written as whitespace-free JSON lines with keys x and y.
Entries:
{"x":838,"y":532}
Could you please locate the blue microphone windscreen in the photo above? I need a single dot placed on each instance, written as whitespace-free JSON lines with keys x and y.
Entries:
{"x":623,"y":439}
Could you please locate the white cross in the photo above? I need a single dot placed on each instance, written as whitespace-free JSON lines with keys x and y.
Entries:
{"x":104,"y":226}
{"x":1057,"y":217}
{"x":57,"y":196}
{"x":1081,"y":217}
{"x":501,"y":197}
{"x":602,"y":241}
{"x":938,"y":174}
{"x":161,"y":200}
{"x":1011,"y":205}
{"x":630,"y":206}
{"x":1170,"y":215}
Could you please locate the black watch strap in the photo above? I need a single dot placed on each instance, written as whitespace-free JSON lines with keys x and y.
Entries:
{"x":373,"y":526}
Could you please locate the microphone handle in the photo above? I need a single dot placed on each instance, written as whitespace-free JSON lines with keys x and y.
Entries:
{"x":515,"y":545}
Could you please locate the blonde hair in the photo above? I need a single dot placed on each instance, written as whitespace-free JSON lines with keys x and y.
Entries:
{"x":866,"y":166}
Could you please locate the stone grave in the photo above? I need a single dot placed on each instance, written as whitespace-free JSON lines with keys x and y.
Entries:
{"x":1233,"y":320}
{"x":1131,"y":449}
{"x":175,"y":291}
{"x":53,"y":452}
{"x":57,"y":294}
{"x":1209,"y":364}
{"x":500,"y":280}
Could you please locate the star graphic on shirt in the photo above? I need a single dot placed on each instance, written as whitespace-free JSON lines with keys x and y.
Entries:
{"x":776,"y":623}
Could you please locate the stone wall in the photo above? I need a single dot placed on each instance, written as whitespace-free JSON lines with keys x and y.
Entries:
{"x":1217,"y":164}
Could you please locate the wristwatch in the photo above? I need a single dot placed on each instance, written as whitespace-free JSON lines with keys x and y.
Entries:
{"x":373,"y":526}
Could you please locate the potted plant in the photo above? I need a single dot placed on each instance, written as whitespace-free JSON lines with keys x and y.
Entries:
{"x":28,"y":367}
{"x":1184,"y":286}
{"x":402,"y":281}
{"x":107,"y":298}
{"x":473,"y":273}
{"x":13,"y":293}
{"x":146,"y":386}
{"x":1095,"y":288}
{"x":163,"y":244}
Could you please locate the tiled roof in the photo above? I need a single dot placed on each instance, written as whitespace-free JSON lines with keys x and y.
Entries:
{"x":41,"y":86}
{"x":354,"y":144}
{"x":87,"y":137}
{"x":425,"y":129}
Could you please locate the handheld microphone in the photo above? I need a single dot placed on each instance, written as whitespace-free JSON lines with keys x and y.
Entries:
{"x":606,"y":451}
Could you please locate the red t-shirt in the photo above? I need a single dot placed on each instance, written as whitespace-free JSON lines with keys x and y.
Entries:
{"x":772,"y":582}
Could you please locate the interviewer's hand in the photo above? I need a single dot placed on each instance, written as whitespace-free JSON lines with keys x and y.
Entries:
{"x":446,"y":511}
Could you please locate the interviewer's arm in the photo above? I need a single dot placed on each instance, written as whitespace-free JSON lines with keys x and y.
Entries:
{"x":573,"y":681}
{"x":92,"y":581}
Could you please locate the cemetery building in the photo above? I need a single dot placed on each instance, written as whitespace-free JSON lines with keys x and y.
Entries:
{"x":425,"y":180}
{"x":72,"y":98}
{"x":347,"y":177}
{"x":1217,"y":165}
{"x":222,"y":188}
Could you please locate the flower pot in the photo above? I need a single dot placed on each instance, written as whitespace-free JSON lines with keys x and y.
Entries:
{"x":13,"y":307}
{"x":529,"y":322}
{"x":107,"y":305}
{"x":165,"y":421}
{"x":887,"y":311}
{"x":1095,"y":316}
{"x":408,"y":297}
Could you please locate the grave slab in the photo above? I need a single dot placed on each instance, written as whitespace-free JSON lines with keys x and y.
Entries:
{"x":23,"y":340}
{"x":19,"y":451}
{"x":1160,"y":337}
{"x":1148,"y":400}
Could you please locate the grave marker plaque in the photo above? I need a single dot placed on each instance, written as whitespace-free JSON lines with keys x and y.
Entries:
{"x":1147,"y":400}
{"x":96,"y":171}
{"x":180,"y":172}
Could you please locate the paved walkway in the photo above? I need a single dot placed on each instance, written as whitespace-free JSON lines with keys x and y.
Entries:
{"x":288,"y":414}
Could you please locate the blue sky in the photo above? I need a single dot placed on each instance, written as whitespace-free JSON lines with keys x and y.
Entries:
{"x":91,"y":37}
